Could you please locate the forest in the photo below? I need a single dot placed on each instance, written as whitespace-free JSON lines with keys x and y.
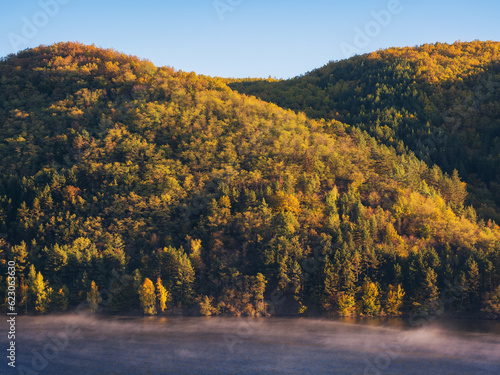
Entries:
{"x":131,"y":188}
{"x":439,"y":101}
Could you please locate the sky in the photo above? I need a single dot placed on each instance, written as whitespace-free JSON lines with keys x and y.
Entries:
{"x":245,"y":38}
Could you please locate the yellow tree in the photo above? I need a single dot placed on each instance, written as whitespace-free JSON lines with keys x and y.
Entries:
{"x":162,"y":295}
{"x":38,"y":291}
{"x":394,"y":300}
{"x":206,"y":306}
{"x":346,"y":304}
{"x":370,"y":304}
{"x":147,"y":296}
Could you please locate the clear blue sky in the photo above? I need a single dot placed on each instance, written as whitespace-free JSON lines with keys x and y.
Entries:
{"x":245,"y":38}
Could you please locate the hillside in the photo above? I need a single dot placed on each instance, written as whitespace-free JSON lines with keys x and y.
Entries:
{"x":135,"y":187}
{"x":440,"y":101}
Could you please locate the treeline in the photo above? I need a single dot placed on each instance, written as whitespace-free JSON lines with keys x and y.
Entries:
{"x":439,"y":101}
{"x":129,"y":187}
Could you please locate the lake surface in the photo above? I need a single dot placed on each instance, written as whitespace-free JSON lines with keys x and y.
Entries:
{"x":70,"y":345}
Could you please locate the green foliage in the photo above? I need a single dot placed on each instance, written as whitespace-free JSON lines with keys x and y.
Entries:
{"x":176,"y":267}
{"x":59,"y":299}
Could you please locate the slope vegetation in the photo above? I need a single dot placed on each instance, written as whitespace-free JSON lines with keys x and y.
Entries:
{"x":135,"y":187}
{"x":440,"y":101}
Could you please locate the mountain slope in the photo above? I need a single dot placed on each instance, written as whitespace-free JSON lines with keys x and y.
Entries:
{"x":440,"y":101}
{"x":117,"y":175}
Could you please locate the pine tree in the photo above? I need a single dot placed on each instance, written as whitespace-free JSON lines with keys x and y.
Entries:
{"x":430,"y":293}
{"x":259,"y":287}
{"x":176,"y":266}
{"x":492,"y":304}
{"x":23,"y":291}
{"x":330,"y":288}
{"x":473,"y":278}
{"x":59,"y":299}
{"x":137,"y":282}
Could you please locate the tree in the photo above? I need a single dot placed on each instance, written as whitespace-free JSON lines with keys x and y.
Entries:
{"x":195,"y":254}
{"x":473,"y":283}
{"x":492,"y":304}
{"x":259,"y":287}
{"x":147,"y":296}
{"x":370,"y":304}
{"x":394,"y":300}
{"x":56,"y":259}
{"x":24,"y":294}
{"x":38,"y":291}
{"x":19,"y":255}
{"x":346,"y":304}
{"x":137,"y":280}
{"x":206,"y":306}
{"x":94,"y":298}
{"x":176,"y":266}
{"x":330,"y":288}
{"x":59,"y":299}
{"x":429,"y":293}
{"x":162,"y":295}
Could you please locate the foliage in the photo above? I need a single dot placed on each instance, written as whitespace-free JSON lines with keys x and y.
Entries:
{"x":162,"y":295}
{"x":116,"y":172}
{"x":38,"y":291}
{"x":440,"y":101}
{"x":492,"y":303}
{"x":206,"y":306}
{"x":394,"y":300}
{"x":147,"y":297}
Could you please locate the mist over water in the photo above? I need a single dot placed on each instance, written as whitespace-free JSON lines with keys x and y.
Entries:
{"x":55,"y":345}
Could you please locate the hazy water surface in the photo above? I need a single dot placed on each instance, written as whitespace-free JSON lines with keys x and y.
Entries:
{"x":87,"y":345}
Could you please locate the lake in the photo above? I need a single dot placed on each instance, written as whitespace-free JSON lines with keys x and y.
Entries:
{"x":57,"y":345}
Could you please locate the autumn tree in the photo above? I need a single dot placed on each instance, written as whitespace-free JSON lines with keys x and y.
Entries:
{"x":147,"y":297}
{"x":369,"y":302}
{"x":394,"y":300}
{"x":94,"y":298}
{"x":162,"y":295}
{"x":38,"y":291}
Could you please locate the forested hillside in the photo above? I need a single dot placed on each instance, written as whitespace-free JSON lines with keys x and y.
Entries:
{"x":440,"y":101}
{"x":133,"y":187}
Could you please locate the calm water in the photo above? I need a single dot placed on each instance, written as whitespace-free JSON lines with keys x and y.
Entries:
{"x":87,"y":345}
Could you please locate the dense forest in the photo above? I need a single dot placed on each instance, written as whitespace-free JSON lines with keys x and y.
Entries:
{"x":130,"y":187}
{"x":440,"y":101}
